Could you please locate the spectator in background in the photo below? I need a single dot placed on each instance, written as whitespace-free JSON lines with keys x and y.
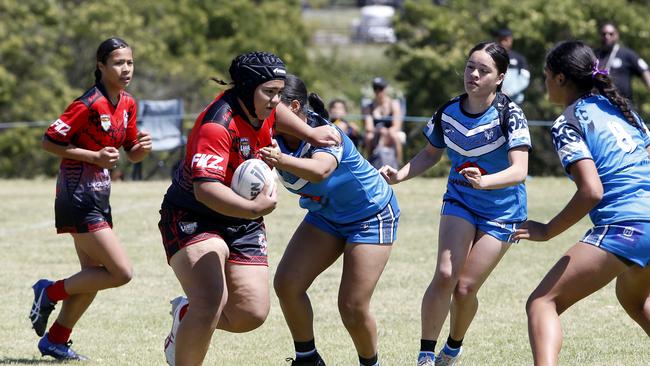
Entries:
{"x":383,"y":124}
{"x":621,"y":62}
{"x":518,"y":77}
{"x":338,"y":110}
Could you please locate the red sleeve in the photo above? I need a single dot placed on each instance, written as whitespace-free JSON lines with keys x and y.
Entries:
{"x":131,"y":127}
{"x":210,"y":159}
{"x":62,"y":130}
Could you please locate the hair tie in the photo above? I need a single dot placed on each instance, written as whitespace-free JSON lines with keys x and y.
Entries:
{"x":595,"y":70}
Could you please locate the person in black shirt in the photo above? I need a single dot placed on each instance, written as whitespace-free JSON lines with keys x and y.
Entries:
{"x":621,"y":62}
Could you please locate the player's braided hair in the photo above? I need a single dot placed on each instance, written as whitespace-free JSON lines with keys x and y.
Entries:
{"x":578,"y":63}
{"x":104,"y":51}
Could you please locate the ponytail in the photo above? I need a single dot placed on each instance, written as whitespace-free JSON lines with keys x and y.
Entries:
{"x":317,"y":105}
{"x":603,"y":83}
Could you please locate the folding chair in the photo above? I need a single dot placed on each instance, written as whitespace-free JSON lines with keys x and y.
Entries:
{"x":163,"y":119}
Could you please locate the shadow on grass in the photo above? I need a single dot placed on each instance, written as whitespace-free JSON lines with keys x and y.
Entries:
{"x":28,"y":361}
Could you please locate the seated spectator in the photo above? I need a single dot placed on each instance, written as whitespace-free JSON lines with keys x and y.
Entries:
{"x":383,"y":124}
{"x":338,"y":110}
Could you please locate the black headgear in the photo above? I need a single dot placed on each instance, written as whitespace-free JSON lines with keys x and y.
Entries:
{"x":249,"y":70}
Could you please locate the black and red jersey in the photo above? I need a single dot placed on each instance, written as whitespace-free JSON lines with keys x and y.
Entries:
{"x":92,"y":122}
{"x":220,"y":140}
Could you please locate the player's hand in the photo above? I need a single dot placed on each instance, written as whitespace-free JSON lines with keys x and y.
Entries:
{"x":532,"y":230}
{"x":107,"y":157}
{"x":389,"y":174}
{"x":272,"y":154}
{"x":325,"y":136}
{"x":144,"y":142}
{"x":474,"y":177}
{"x":266,"y":200}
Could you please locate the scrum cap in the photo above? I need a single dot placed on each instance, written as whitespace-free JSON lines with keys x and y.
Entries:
{"x":249,"y":70}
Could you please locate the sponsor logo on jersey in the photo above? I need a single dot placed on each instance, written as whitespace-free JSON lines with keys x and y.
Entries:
{"x":105,"y":120}
{"x":61,"y":127}
{"x":188,"y":227}
{"x":126,"y":118}
{"x":245,"y":147}
{"x":207,"y":161}
{"x":628,"y":232}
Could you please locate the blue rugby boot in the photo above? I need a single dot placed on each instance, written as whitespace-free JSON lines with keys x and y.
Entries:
{"x":41,"y":307}
{"x":60,"y":351}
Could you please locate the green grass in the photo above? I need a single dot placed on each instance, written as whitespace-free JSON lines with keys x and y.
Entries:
{"x":126,"y":326}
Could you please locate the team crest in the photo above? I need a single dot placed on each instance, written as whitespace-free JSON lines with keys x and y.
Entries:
{"x":188,"y":227}
{"x":105,"y":120}
{"x":489,"y":134}
{"x":245,"y":147}
{"x":126,"y":118}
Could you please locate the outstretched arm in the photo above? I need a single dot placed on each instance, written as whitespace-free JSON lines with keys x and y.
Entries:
{"x":588,"y":195}
{"x":425,"y":159}
{"x":287,"y":122}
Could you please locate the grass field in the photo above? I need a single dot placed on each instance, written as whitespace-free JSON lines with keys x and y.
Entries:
{"x":126,"y":326}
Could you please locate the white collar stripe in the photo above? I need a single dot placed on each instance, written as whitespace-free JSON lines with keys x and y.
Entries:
{"x":474,"y":131}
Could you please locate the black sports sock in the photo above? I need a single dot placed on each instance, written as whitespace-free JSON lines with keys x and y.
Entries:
{"x":372,"y":361}
{"x":305,"y":349}
{"x":427,"y":345}
{"x":452,"y":343}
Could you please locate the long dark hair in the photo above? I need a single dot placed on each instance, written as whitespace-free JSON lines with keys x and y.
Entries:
{"x":578,"y":63}
{"x":498,"y":54}
{"x":295,"y":89}
{"x":104,"y":51}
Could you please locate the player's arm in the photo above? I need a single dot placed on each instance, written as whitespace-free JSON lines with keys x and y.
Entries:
{"x":105,"y":158}
{"x":287,"y":122}
{"x":425,"y":159}
{"x":141,"y":149}
{"x":516,"y":173}
{"x":314,"y":169}
{"x":587,"y":196}
{"x":220,"y":198}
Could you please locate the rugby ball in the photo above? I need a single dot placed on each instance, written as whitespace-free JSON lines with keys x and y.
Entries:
{"x":249,"y":178}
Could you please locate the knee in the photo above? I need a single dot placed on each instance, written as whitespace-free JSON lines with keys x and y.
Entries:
{"x":444,"y":280}
{"x":249,"y":319}
{"x":286,"y":286}
{"x":123,"y":275}
{"x":353,"y":312}
{"x":465,"y":291}
{"x":534,"y":304}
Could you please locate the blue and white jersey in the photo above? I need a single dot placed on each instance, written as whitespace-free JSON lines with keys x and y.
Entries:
{"x":353,"y":191}
{"x":593,"y":128}
{"x":482,"y":141}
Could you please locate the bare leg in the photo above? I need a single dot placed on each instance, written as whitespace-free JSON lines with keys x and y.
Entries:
{"x":583,"y":270}
{"x":454,"y":242}
{"x":248,"y":298}
{"x":200,"y":269}
{"x":113,"y":270}
{"x":309,"y":252}
{"x":362,"y":266}
{"x":485,"y":254}
{"x":633,"y":293}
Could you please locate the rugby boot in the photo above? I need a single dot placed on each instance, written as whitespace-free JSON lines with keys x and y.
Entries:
{"x":448,"y":356}
{"x":170,"y":342}
{"x":426,"y":359}
{"x":41,"y":307}
{"x":60,"y":351}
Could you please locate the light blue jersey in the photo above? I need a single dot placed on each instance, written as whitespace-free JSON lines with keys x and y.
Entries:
{"x":482,"y":141}
{"x":593,"y":128}
{"x":353,"y":191}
